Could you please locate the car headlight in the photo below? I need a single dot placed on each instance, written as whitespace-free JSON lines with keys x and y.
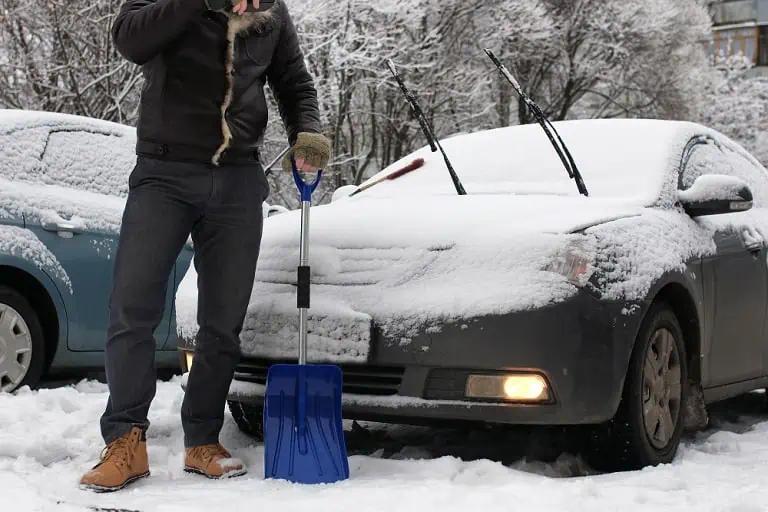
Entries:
{"x":575,"y":261}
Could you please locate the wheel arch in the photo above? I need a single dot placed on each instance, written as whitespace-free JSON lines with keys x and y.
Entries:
{"x":680,"y":299}
{"x":41,"y":301}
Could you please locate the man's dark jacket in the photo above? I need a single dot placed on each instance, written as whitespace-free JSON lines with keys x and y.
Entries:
{"x":205,"y":71}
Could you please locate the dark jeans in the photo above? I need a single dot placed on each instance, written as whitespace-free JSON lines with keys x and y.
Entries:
{"x":222,"y":208}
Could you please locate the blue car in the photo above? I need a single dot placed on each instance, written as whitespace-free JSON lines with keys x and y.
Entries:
{"x":63,"y":184}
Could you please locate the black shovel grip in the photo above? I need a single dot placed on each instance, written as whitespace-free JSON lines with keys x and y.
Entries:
{"x":302,"y":294}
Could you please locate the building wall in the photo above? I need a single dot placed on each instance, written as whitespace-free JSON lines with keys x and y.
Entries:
{"x":762,"y":11}
{"x":736,"y":11}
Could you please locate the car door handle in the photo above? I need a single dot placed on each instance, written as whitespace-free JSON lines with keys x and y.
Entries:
{"x":65,"y":228}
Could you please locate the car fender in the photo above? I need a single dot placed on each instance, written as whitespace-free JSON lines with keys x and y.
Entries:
{"x":51,"y":287}
{"x":689,"y":282}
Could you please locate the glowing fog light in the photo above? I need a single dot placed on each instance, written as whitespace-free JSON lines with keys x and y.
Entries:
{"x":522,"y":387}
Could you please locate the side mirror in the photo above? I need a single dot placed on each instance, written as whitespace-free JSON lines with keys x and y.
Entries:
{"x":714,"y":194}
{"x":342,"y":192}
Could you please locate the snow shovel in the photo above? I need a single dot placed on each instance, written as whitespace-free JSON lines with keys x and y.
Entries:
{"x":303,"y":434}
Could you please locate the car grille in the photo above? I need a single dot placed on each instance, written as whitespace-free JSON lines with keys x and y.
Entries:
{"x":358,"y":379}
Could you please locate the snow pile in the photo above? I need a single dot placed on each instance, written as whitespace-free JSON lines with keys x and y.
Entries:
{"x":22,"y":243}
{"x":51,"y":437}
{"x":713,"y":186}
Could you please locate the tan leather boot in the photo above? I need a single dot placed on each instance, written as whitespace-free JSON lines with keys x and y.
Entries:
{"x":123,"y":461}
{"x":213,"y":461}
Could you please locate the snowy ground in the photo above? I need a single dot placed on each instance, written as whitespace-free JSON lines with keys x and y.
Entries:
{"x":48,"y":437}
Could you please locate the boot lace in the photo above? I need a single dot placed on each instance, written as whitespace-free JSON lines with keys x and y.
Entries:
{"x":118,"y":451}
{"x":206,"y":453}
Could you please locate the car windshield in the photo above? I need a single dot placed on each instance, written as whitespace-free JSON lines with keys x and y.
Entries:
{"x":630,"y":160}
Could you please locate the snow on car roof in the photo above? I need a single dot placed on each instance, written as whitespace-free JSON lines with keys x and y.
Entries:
{"x":627,"y":159}
{"x":13,"y":119}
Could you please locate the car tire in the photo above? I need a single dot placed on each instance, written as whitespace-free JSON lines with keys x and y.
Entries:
{"x":649,"y":422}
{"x":24,"y":334}
{"x":249,"y":418}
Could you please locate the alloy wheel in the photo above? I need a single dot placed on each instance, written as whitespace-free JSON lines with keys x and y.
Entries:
{"x":662,"y":389}
{"x":15,"y":348}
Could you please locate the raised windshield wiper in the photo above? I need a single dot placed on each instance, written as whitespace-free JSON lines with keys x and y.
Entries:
{"x":434,"y":143}
{"x":546,"y":125}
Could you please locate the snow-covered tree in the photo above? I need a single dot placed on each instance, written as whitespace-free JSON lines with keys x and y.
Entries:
{"x":577,"y":58}
{"x":735,"y":102}
{"x":58,"y":55}
{"x":613,"y":58}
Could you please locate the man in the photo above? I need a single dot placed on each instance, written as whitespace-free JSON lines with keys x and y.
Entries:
{"x":202,"y":118}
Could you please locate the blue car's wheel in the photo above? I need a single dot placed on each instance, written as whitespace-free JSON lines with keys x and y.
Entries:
{"x":22,"y":347}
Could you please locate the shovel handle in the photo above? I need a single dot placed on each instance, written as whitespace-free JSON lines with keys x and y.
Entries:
{"x":305,"y":188}
{"x":302,"y":297}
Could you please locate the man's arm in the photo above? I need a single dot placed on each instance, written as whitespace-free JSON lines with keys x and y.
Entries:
{"x":292,"y":84}
{"x":144,"y":27}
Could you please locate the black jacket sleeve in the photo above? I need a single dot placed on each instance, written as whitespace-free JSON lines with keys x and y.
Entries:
{"x":291,"y":83}
{"x":144,"y":27}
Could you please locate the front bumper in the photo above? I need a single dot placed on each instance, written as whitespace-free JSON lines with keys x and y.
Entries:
{"x":581,"y":346}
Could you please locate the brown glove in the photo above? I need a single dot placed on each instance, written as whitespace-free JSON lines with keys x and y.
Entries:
{"x":314,"y":148}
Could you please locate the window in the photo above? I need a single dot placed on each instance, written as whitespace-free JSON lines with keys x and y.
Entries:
{"x":20,"y":155}
{"x":762,"y":46}
{"x":94,"y":162}
{"x":736,"y":41}
{"x":723,"y":158}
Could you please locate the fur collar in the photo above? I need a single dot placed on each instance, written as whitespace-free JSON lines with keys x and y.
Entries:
{"x":241,"y":25}
{"x":257,"y":22}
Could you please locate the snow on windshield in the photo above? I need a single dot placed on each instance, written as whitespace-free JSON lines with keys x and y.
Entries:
{"x":631,"y":160}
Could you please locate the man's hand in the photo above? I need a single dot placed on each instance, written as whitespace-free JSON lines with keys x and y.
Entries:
{"x":311,"y":151}
{"x":242,"y":6}
{"x":304,"y":166}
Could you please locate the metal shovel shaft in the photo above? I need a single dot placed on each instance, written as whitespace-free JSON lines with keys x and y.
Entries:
{"x":303,"y":262}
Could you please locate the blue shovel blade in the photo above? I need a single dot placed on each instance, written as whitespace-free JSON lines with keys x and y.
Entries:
{"x":303,"y":433}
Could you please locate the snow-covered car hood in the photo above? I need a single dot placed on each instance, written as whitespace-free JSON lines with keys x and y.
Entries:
{"x":445,"y":219}
{"x":408,"y":266}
